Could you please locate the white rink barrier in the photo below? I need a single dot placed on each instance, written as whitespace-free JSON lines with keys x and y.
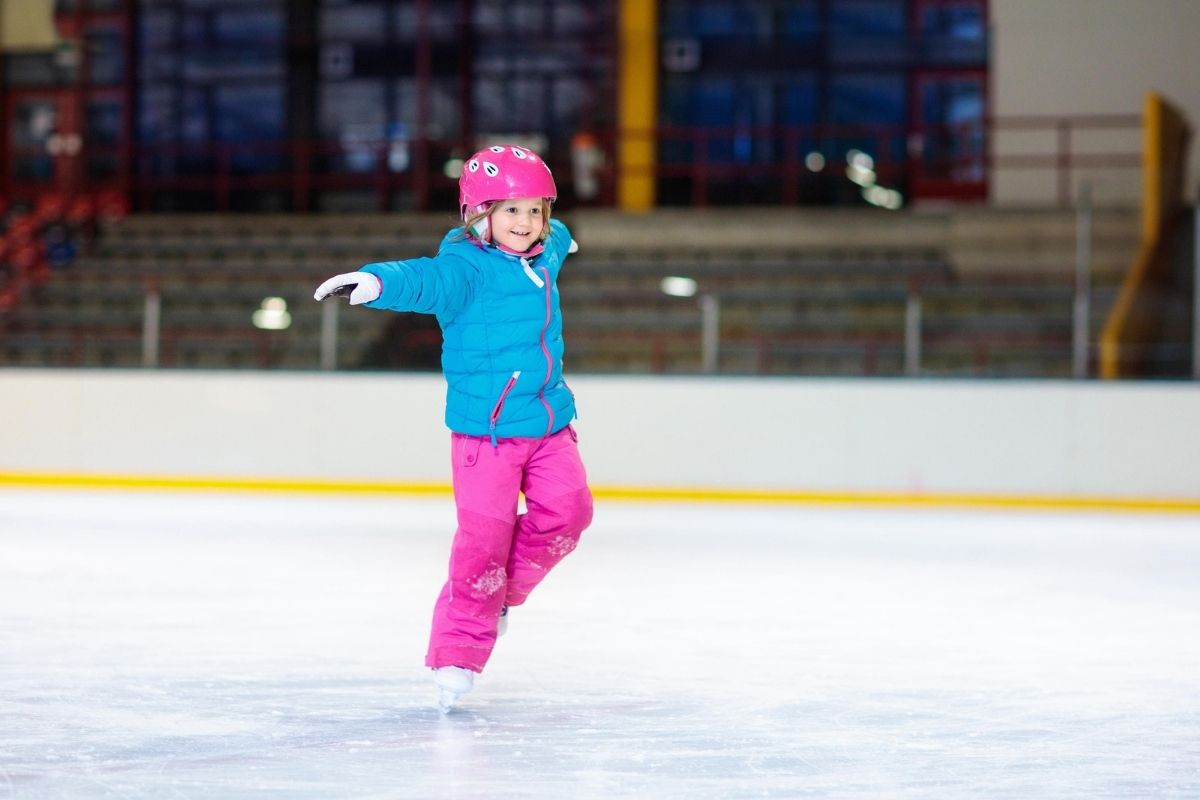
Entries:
{"x":1043,"y":443}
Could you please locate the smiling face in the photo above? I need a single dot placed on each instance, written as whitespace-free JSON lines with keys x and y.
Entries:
{"x":518,"y":224}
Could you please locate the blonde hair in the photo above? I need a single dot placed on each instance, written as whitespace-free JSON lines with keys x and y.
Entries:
{"x":468,"y":231}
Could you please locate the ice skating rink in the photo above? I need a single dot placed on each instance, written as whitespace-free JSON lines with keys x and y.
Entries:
{"x":254,"y":646}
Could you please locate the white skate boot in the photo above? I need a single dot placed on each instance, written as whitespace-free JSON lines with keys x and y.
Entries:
{"x":452,"y":683}
{"x":502,"y":625}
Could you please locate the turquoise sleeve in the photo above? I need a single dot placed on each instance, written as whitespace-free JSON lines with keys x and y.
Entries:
{"x":441,"y":285}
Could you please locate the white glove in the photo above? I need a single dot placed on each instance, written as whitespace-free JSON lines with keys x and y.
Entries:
{"x":574,"y":248}
{"x":363,"y":287}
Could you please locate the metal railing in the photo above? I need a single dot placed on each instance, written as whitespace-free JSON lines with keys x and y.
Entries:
{"x":788,"y":160}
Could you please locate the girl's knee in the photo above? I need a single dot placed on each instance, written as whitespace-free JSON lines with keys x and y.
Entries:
{"x":577,"y":512}
{"x":562,"y":518}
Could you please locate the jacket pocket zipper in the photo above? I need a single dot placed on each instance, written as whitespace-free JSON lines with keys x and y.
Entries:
{"x":512,"y":381}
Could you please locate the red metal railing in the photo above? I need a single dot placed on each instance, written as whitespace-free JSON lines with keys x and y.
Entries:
{"x":976,"y":155}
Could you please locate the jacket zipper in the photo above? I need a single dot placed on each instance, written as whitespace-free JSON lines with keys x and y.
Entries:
{"x":512,"y":381}
{"x":545,"y":284}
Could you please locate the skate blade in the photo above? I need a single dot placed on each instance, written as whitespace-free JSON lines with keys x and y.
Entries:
{"x":446,"y":700}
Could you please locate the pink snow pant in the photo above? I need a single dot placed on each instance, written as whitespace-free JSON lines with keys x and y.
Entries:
{"x":498,"y":556}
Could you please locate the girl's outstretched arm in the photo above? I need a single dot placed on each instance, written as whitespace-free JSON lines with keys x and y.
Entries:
{"x":441,"y":285}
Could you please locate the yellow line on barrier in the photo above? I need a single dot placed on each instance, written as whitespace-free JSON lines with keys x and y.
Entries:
{"x":612,"y":493}
{"x":186,"y":483}
{"x":993,"y":501}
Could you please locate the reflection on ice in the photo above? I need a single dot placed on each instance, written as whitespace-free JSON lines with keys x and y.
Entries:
{"x":193,"y":646}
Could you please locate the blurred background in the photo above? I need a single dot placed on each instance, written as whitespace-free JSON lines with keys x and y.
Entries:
{"x":970,"y":188}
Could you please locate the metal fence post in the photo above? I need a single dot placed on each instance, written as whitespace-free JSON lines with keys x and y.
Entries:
{"x":1083,"y":283}
{"x":710,"y":332}
{"x":329,"y":333}
{"x":151,"y":325}
{"x":912,"y":329}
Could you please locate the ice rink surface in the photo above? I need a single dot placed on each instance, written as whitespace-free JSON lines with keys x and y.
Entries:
{"x":254,"y":646}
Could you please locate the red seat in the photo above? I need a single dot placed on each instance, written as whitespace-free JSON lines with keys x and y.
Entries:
{"x":81,"y":210}
{"x":49,"y":207}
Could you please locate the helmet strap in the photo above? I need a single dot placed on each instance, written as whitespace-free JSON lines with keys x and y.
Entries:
{"x":482,"y":230}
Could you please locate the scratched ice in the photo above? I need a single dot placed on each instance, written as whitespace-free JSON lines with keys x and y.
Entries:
{"x":214,"y":646}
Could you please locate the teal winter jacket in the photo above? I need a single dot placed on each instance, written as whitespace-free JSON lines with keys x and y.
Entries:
{"x":502,"y":344}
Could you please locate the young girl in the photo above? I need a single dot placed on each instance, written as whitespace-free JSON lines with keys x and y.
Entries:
{"x":493,"y":287}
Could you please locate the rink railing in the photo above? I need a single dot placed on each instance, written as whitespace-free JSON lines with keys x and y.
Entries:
{"x":666,"y":342}
{"x":912,"y":338}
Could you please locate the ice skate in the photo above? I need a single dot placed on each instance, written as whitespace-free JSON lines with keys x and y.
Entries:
{"x":452,"y":683}
{"x":502,"y":624}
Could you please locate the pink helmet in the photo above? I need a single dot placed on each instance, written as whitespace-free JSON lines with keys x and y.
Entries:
{"x":502,"y":172}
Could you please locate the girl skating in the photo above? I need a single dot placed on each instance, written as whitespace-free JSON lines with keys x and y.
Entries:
{"x":493,"y":287}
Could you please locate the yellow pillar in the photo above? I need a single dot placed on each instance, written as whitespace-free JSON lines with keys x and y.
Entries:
{"x":637,"y":103}
{"x":1165,"y":137}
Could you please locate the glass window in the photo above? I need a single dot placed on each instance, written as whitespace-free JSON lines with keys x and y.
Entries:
{"x":952,"y":101}
{"x":187,"y":48}
{"x":249,"y":112}
{"x":571,"y":18}
{"x":197,"y":114}
{"x":799,"y":107}
{"x":715,"y":19}
{"x":104,"y":122}
{"x":510,"y":18}
{"x":158,"y":114}
{"x":569,"y":93}
{"x":354,"y":114}
{"x":30,"y":69}
{"x":365,"y":22}
{"x":259,"y":28}
{"x":799,"y":100}
{"x":443,"y":109}
{"x":33,"y":122}
{"x":800,"y":20}
{"x":443,"y":21}
{"x":675,"y":20}
{"x":954,"y":32}
{"x":952,"y":123}
{"x":511,"y":104}
{"x":872,"y":100}
{"x":106,"y":56}
{"x":959,"y":20}
{"x":707,"y":18}
{"x":714,"y":102}
{"x":868,"y":32}
{"x":351,"y":103}
{"x":870,"y":17}
{"x":157,"y":31}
